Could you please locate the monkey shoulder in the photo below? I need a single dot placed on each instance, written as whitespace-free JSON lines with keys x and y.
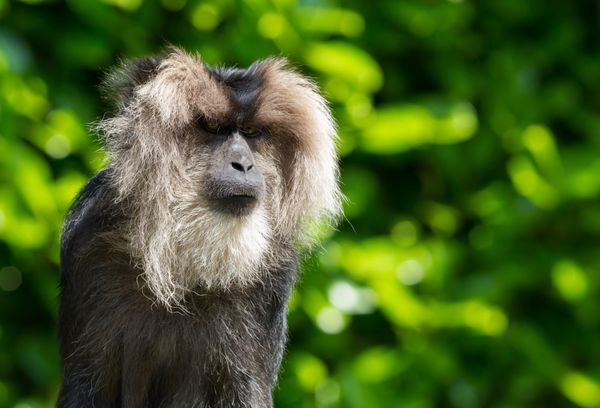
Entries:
{"x":87,"y":218}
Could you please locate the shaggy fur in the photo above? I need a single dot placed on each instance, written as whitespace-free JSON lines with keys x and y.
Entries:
{"x":167,"y":302}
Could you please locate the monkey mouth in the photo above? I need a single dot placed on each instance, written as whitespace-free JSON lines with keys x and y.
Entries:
{"x":241,"y":198}
{"x":235,"y":204}
{"x":236,"y":199}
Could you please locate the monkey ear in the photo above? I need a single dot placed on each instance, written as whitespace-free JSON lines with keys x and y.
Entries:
{"x":119,"y":85}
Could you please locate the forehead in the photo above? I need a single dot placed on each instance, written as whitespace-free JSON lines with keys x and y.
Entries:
{"x":242,"y":87}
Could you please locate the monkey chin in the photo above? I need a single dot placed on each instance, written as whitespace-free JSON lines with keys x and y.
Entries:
{"x":238,"y":205}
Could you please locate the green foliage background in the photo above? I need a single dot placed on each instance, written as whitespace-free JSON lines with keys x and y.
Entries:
{"x":466,"y":274}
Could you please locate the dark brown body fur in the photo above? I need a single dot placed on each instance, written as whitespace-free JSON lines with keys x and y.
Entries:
{"x":134,"y":353}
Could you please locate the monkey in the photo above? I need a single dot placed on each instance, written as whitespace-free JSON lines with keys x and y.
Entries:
{"x":178,"y":258}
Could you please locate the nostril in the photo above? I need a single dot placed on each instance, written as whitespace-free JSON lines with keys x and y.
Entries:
{"x":249,"y":167}
{"x":237,"y":166}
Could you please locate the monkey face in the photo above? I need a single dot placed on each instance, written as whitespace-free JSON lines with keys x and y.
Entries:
{"x":234,"y":184}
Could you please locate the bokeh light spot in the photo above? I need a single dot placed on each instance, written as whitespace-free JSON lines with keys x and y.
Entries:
{"x":128,"y":5}
{"x":271,"y":25}
{"x":581,"y":389}
{"x":351,"y":24}
{"x":488,"y":320}
{"x":343,"y":296}
{"x":331,"y":320}
{"x":26,"y":98}
{"x":405,"y":233}
{"x":58,"y":146}
{"x":359,"y":107}
{"x":328,"y":392}
{"x":441,"y":218}
{"x":10,"y":278}
{"x":540,"y":142}
{"x":410,"y":272}
{"x":530,"y":184}
{"x":351,"y":299}
{"x":459,"y":124}
{"x":537,"y":138}
{"x":378,"y":364}
{"x":205,"y":17}
{"x":570,"y":280}
{"x":173,"y":5}
{"x":347,"y":62}
{"x":309,"y":370}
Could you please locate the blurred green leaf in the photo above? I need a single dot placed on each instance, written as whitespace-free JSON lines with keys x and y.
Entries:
{"x":403,"y":127}
{"x":347,"y":62}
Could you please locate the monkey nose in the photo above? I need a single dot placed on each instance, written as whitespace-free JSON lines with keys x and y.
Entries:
{"x":242,"y":164}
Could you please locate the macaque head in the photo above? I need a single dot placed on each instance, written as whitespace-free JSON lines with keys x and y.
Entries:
{"x":222,"y":170}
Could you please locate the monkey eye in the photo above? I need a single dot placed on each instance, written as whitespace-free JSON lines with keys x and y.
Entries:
{"x":211,"y":126}
{"x":250,"y":131}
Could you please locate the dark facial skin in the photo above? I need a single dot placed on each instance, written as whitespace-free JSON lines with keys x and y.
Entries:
{"x":234,"y":183}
